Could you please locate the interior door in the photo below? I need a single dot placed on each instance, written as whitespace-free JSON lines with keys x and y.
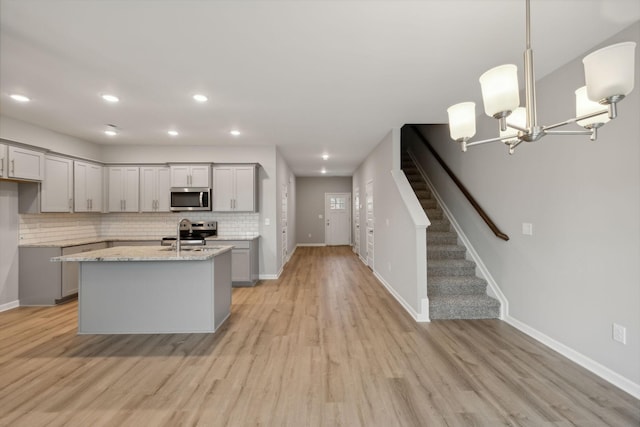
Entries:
{"x":356,"y":221}
{"x":370,"y":222}
{"x":284,"y":207}
{"x":338,"y":218}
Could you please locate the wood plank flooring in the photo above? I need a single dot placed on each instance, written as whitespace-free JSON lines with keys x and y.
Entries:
{"x":325,"y":345}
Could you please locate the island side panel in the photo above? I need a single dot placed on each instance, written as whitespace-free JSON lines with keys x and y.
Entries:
{"x":132,"y":297}
{"x":222,"y":287}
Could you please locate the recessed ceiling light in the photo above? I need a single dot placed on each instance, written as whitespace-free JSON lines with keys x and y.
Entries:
{"x":200,"y":98}
{"x":111,"y":130}
{"x":172,"y":132}
{"x":19,"y":98}
{"x":235,"y":132}
{"x":110,"y":98}
{"x":323,"y":170}
{"x":325,"y":156}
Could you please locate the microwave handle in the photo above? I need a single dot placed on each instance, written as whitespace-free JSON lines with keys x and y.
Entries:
{"x":201,"y":196}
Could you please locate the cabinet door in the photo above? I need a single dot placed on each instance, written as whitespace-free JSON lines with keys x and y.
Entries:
{"x":4,"y":171}
{"x":57,"y":185}
{"x":148,"y":180}
{"x":200,"y":176}
{"x":26,"y":164}
{"x":131,"y":188}
{"x":240,"y":265}
{"x":223,"y":190}
{"x":94,"y":187}
{"x":163,"y":192}
{"x":80,"y":195}
{"x":244,"y":189}
{"x":116,"y":189}
{"x":180,"y":176}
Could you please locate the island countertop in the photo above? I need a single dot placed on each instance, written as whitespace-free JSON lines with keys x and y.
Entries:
{"x":146,"y":253}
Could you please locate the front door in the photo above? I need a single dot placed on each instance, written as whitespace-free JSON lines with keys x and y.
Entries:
{"x":337,"y":218}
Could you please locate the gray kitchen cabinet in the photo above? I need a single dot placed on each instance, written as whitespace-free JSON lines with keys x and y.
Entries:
{"x":235,"y":188}
{"x":87,"y":187}
{"x":57,"y":185}
{"x":124,"y":185}
{"x":244,"y":261}
{"x":4,"y":169}
{"x":23,"y":163}
{"x":155,"y":184}
{"x":191,"y":175}
{"x":42,"y":282}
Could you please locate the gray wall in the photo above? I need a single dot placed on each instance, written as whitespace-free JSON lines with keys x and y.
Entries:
{"x":580,"y":271}
{"x":399,"y":246}
{"x":310,"y":203}
{"x":8,"y":244}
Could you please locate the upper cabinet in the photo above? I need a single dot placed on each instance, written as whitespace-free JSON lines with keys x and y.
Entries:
{"x":155,"y":184}
{"x":191,"y":175}
{"x":57,"y":185}
{"x":87,"y":187}
{"x":124,"y":184}
{"x":22,"y":163}
{"x":4,"y":171}
{"x":235,"y":188}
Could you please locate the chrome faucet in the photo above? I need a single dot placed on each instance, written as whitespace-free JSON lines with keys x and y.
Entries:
{"x":183,"y":220}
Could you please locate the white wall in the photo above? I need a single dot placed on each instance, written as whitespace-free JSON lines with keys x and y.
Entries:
{"x":8,"y":245}
{"x":285,"y":176}
{"x":25,"y":133}
{"x":399,"y":251}
{"x":580,"y":271}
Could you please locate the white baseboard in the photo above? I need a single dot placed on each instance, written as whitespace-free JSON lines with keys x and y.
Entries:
{"x":418,"y":317}
{"x":269,"y":276}
{"x":9,"y":305}
{"x":311,"y":244}
{"x":493,"y":288}
{"x":579,"y":358}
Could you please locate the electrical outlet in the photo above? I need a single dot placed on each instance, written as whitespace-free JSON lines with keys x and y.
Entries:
{"x":619,"y":333}
{"x":527,"y":228}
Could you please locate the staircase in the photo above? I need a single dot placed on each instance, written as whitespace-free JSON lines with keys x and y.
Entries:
{"x":454,"y":290}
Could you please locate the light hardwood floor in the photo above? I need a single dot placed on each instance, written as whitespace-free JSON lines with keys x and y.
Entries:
{"x":325,"y":345}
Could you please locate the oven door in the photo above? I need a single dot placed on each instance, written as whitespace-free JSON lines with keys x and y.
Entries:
{"x":190,"y":199}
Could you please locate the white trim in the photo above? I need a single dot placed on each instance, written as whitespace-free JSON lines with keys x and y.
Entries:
{"x":418,"y":317}
{"x":364,"y":261}
{"x":579,"y":358}
{"x":289,"y":255}
{"x":269,"y":276}
{"x":311,"y":244}
{"x":493,"y":289}
{"x":9,"y":305}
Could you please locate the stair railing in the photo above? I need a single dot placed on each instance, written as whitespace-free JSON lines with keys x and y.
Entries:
{"x":461,"y":186}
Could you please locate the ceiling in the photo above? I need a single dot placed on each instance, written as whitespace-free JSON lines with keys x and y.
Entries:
{"x":309,"y":77}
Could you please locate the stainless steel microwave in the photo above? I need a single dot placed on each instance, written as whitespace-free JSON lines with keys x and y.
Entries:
{"x":190,"y":199}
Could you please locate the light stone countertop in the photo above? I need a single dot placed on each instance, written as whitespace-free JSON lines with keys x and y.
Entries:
{"x":65,"y":243}
{"x":146,"y":253}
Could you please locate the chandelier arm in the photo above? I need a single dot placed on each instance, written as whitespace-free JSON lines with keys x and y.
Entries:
{"x":516,"y":127}
{"x":485,"y":141}
{"x":569,"y":121}
{"x":568,"y":132}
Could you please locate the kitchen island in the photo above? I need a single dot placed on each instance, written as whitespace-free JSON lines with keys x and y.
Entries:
{"x":152,"y":289}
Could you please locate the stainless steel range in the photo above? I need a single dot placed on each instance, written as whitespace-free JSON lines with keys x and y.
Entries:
{"x":193,"y":233}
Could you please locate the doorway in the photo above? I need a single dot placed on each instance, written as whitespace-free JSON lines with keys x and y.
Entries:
{"x":356,"y":221}
{"x":370,"y":222}
{"x":337,"y":208}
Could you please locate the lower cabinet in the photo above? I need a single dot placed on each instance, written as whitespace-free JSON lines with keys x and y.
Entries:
{"x":244,"y":261}
{"x":42,"y":282}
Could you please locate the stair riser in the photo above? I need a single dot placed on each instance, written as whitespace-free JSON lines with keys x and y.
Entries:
{"x":450,"y":271}
{"x":428,"y":204}
{"x":435,"y":290}
{"x":445,"y":254}
{"x":443,"y":239}
{"x":442,"y":226}
{"x":438,"y":313}
{"x":434,"y":213}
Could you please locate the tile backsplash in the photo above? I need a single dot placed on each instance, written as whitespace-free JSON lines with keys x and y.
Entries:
{"x":50,"y":227}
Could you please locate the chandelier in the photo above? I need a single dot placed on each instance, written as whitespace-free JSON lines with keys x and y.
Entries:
{"x":609,"y":75}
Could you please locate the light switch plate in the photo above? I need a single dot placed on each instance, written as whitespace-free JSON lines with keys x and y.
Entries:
{"x":527,"y":228}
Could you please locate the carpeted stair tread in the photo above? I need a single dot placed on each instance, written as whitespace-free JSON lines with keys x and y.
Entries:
{"x":437,"y":251}
{"x":441,"y":237}
{"x":456,"y":285}
{"x":440,"y":225}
